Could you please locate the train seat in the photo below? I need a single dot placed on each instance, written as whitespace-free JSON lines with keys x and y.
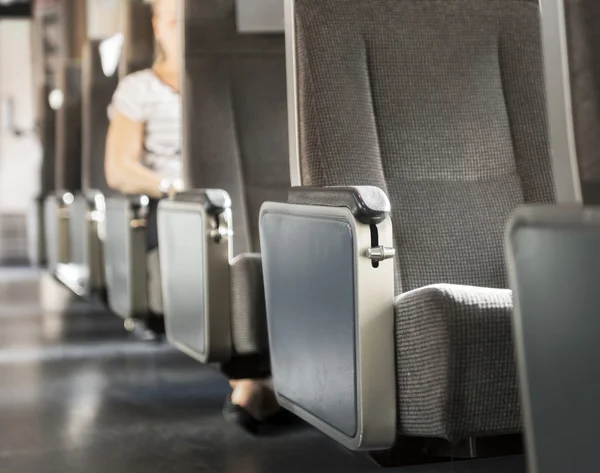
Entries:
{"x":236,"y":157}
{"x":416,"y":128}
{"x":125,"y":220}
{"x":59,"y":204}
{"x":89,"y":208}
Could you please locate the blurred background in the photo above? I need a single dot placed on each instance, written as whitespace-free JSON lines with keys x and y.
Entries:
{"x":21,"y":76}
{"x":20,"y":151}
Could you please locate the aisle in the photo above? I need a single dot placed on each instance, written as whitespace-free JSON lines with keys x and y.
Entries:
{"x":78,"y":395}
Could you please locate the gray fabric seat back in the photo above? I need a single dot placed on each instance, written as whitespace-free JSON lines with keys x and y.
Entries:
{"x":68,"y":129}
{"x":583,"y":42}
{"x":138,"y":47}
{"x":235,"y":114}
{"x":97,"y":94}
{"x":47,"y":50}
{"x":47,"y":135}
{"x":441,"y":105}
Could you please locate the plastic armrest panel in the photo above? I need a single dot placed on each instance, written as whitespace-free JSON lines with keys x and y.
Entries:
{"x":196,"y":248}
{"x":125,"y":256}
{"x":330,"y":316}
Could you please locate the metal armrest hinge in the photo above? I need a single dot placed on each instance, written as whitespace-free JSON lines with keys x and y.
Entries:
{"x":378,"y":254}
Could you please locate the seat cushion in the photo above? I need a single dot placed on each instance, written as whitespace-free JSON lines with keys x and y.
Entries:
{"x":457,"y":374}
{"x":248,"y":312}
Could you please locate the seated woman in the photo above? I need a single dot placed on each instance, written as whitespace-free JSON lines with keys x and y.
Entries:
{"x":143,"y":156}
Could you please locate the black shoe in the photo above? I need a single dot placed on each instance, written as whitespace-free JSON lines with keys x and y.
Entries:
{"x":240,"y":416}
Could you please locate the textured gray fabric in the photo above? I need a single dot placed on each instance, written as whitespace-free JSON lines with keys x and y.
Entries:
{"x":97,"y":93}
{"x":46,"y":22}
{"x":440,"y":104}
{"x":235,"y":115}
{"x":68,"y":129}
{"x":47,"y":135}
{"x":583,"y":34}
{"x":138,"y":48}
{"x":456,"y":370}
{"x":248,"y":312}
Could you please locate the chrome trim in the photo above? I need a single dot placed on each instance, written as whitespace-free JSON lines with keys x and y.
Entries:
{"x":560,"y":108}
{"x":376,"y":351}
{"x":292,"y":91}
{"x":380,"y":253}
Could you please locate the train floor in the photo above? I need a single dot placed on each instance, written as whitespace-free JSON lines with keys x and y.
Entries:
{"x":78,"y":394}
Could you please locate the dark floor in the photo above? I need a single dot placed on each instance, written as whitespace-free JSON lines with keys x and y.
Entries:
{"x":78,"y":395}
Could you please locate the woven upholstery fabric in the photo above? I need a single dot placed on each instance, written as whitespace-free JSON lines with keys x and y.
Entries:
{"x":138,"y":48}
{"x":235,"y":115}
{"x":47,"y":135}
{"x":97,"y":94}
{"x":457,"y":376}
{"x":439,"y":103}
{"x":248,"y":311}
{"x":583,"y":40}
{"x":68,"y":131}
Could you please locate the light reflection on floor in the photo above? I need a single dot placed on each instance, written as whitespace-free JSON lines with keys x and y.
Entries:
{"x":79,"y":394}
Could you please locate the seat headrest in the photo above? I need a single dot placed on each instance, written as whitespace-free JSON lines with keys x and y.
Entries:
{"x":138,"y":46}
{"x":97,"y":90}
{"x":209,"y":9}
{"x":260,"y":16}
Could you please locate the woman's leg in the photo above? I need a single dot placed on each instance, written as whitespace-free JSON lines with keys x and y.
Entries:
{"x":255,"y":396}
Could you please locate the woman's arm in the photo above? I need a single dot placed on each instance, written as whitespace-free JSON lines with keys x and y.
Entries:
{"x":123,"y":167}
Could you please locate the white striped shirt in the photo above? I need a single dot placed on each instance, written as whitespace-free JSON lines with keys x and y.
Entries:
{"x":144,"y":98}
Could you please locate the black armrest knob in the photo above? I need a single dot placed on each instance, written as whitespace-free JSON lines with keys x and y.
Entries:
{"x":369,"y":204}
{"x":215,"y":201}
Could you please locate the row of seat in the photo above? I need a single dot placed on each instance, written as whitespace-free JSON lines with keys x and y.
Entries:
{"x":374,"y":290}
{"x":553,"y":255}
{"x":74,"y":195}
{"x":373,"y":334}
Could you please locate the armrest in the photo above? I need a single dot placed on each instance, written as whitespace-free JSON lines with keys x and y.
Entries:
{"x":135,"y":207}
{"x":330,"y":312}
{"x":214,"y":201}
{"x":95,"y":198}
{"x":196,"y":246}
{"x":89,"y":212}
{"x":57,"y":211}
{"x":125,"y":255}
{"x":368,"y":204}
